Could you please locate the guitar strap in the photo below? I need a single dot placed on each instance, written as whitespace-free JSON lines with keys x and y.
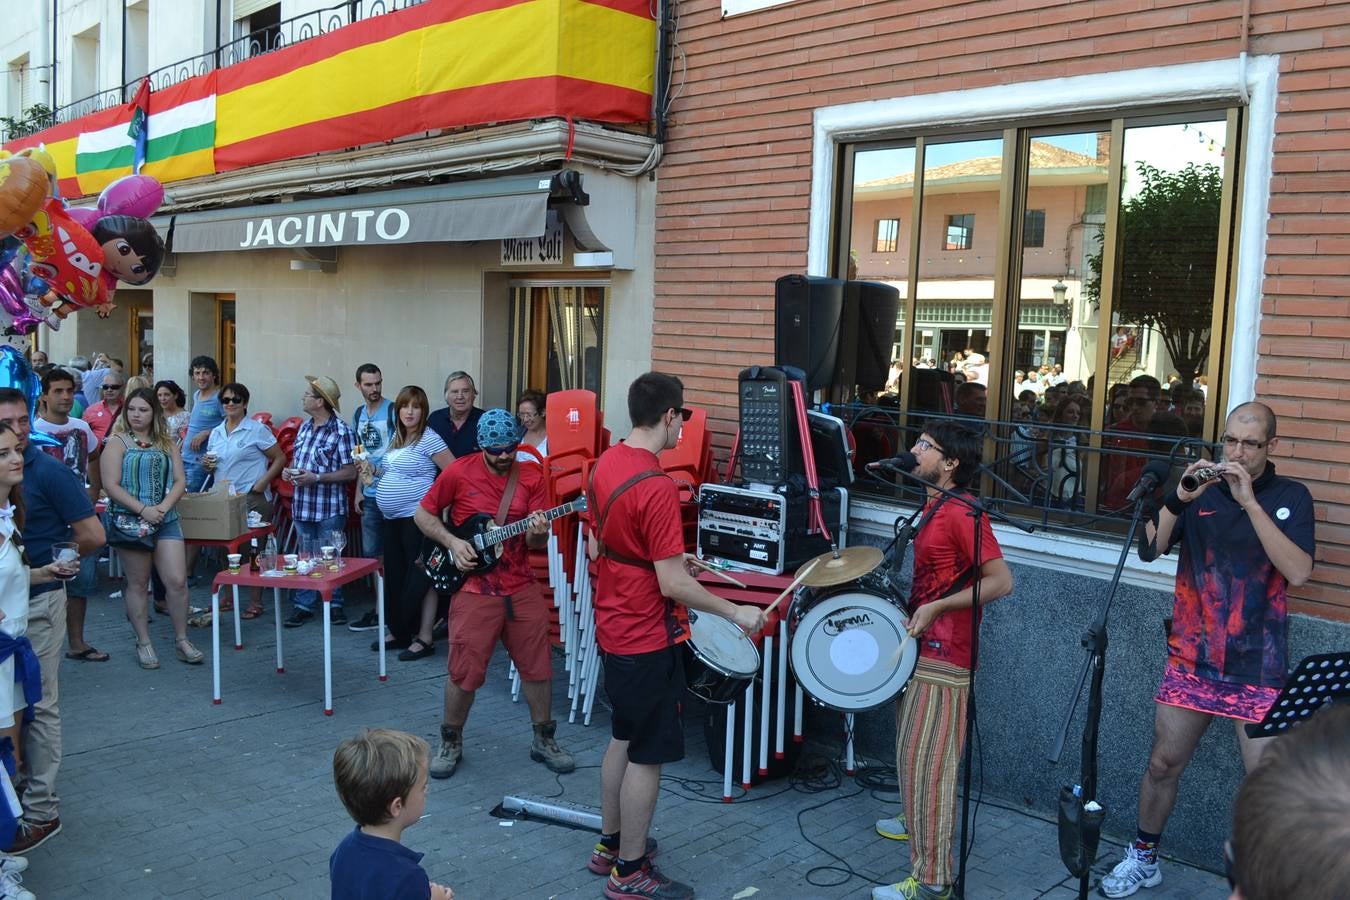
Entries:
{"x":511,"y":481}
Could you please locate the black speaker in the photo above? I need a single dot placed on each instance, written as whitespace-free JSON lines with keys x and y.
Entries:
{"x":807,"y":314}
{"x":866,"y":335}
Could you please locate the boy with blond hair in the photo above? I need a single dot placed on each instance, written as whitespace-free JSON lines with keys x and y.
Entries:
{"x":381,"y":777}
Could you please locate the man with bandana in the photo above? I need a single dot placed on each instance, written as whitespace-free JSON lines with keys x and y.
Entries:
{"x":506,"y":603}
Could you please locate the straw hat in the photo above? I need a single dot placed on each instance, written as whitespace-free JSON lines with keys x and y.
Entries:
{"x":325,"y":388}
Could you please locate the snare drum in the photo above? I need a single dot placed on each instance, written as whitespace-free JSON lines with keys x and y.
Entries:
{"x":850,"y":648}
{"x":722,"y":661}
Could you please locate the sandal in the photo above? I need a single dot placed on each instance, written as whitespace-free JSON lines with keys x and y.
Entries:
{"x":88,"y":654}
{"x":253,"y":612}
{"x":417,"y":650}
{"x":201,"y":619}
{"x":190,"y":655}
{"x":145,"y":655}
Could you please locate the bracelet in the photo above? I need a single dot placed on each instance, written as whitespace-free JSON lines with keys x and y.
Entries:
{"x":1174,"y":504}
{"x":142,"y":512}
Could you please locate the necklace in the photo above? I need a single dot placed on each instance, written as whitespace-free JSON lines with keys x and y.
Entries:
{"x":143,"y":444}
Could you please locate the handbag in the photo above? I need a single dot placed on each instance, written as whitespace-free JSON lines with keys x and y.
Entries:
{"x":131,"y":531}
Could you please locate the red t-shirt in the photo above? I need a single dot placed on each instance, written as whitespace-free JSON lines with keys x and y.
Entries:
{"x":467,"y":486}
{"x":100,"y":419}
{"x":631,"y":616}
{"x":944,"y":549}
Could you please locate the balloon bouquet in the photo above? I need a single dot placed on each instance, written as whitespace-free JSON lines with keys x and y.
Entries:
{"x":55,"y":260}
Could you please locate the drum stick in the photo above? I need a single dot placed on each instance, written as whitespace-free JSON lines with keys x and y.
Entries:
{"x":713,"y":570}
{"x":791,"y":587}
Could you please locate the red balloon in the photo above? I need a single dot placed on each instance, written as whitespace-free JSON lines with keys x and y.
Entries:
{"x":66,"y":256}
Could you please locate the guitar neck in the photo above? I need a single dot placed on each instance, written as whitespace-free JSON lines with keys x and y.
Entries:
{"x":506,"y":532}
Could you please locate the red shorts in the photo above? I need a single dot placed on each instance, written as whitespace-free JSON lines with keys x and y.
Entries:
{"x":478,"y":621}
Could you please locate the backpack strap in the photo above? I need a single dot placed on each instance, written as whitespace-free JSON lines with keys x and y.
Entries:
{"x":599,"y":529}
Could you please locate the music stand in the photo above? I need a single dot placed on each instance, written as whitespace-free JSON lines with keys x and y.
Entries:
{"x":1318,"y":679}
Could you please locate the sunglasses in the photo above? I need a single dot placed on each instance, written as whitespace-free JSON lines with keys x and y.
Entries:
{"x":500,"y":451}
{"x":684,"y":413}
{"x":231,"y":400}
{"x":113,"y":387}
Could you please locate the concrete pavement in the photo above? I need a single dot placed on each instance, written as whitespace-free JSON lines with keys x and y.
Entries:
{"x":165,"y":795}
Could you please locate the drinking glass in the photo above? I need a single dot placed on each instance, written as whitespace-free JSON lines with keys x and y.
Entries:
{"x":338,"y":538}
{"x":66,"y":555}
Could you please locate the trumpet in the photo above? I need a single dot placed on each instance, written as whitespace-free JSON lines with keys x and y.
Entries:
{"x":1204,"y":475}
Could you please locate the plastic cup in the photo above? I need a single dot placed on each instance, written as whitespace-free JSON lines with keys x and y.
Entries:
{"x":292,"y":560}
{"x":235,"y":559}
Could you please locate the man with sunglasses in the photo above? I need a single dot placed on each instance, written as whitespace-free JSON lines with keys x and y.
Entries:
{"x":638,"y":542}
{"x":1245,"y":537}
{"x":506,"y":603}
{"x":112,"y":394}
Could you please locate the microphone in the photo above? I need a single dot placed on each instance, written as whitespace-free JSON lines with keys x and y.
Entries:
{"x":1154,"y":474}
{"x":904,"y":461}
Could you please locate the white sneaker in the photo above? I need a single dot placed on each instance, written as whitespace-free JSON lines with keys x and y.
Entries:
{"x":1129,"y":875}
{"x":12,"y":865}
{"x":893,"y":828}
{"x":11,"y":887}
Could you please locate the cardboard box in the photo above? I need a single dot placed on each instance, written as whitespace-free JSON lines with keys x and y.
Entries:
{"x":215,"y":516}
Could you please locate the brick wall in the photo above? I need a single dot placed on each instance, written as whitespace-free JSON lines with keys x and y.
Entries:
{"x":733,"y":197}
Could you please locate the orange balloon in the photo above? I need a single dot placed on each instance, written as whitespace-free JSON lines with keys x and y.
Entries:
{"x":23,"y":189}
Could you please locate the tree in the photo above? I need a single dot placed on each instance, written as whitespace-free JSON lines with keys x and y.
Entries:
{"x":1169,"y":233}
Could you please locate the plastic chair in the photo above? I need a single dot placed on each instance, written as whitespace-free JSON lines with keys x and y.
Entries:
{"x":265,"y":418}
{"x":573,"y":424}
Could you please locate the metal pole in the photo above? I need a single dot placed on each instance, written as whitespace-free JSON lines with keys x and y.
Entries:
{"x":122,"y":91}
{"x":219,"y":12}
{"x":55,"y":10}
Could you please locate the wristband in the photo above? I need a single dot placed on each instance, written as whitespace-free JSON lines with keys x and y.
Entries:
{"x":1174,"y":504}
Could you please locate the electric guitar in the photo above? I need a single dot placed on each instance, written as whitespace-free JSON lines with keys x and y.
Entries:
{"x":487,"y":538}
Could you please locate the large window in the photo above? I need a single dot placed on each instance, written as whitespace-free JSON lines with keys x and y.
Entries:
{"x":1091,"y":311}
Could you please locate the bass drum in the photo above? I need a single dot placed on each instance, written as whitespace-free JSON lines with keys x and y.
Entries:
{"x":850,"y":648}
{"x":722,"y":662}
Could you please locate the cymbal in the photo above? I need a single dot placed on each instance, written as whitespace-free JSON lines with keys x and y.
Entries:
{"x":850,"y":564}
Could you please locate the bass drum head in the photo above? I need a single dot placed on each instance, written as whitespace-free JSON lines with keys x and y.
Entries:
{"x":850,"y":651}
{"x":722,"y":645}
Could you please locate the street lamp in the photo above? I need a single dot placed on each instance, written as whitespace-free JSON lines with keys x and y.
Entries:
{"x":1061,"y":292}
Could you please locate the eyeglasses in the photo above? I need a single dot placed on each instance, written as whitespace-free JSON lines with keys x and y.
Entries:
{"x":923,"y":444}
{"x":501,"y":451}
{"x":684,"y":413}
{"x":231,"y":400}
{"x":1231,"y":443}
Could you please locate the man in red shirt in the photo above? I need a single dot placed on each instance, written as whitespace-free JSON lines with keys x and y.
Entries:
{"x":638,"y":540}
{"x":931,"y":714}
{"x":101,"y":415}
{"x":506,"y":603}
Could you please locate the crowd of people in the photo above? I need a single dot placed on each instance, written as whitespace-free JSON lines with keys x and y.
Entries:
{"x":1052,"y":414}
{"x":415,"y":476}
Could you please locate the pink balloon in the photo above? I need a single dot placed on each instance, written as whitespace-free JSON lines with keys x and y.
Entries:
{"x":131,"y":195}
{"x":85,"y":215}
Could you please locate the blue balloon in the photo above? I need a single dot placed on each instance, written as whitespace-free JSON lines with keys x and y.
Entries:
{"x":15,"y":372}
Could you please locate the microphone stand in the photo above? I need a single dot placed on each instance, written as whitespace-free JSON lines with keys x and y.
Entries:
{"x":977,"y":513}
{"x":1084,"y":840}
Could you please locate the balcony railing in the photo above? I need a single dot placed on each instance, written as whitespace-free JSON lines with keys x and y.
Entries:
{"x":1058,"y":477}
{"x":264,"y":40}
